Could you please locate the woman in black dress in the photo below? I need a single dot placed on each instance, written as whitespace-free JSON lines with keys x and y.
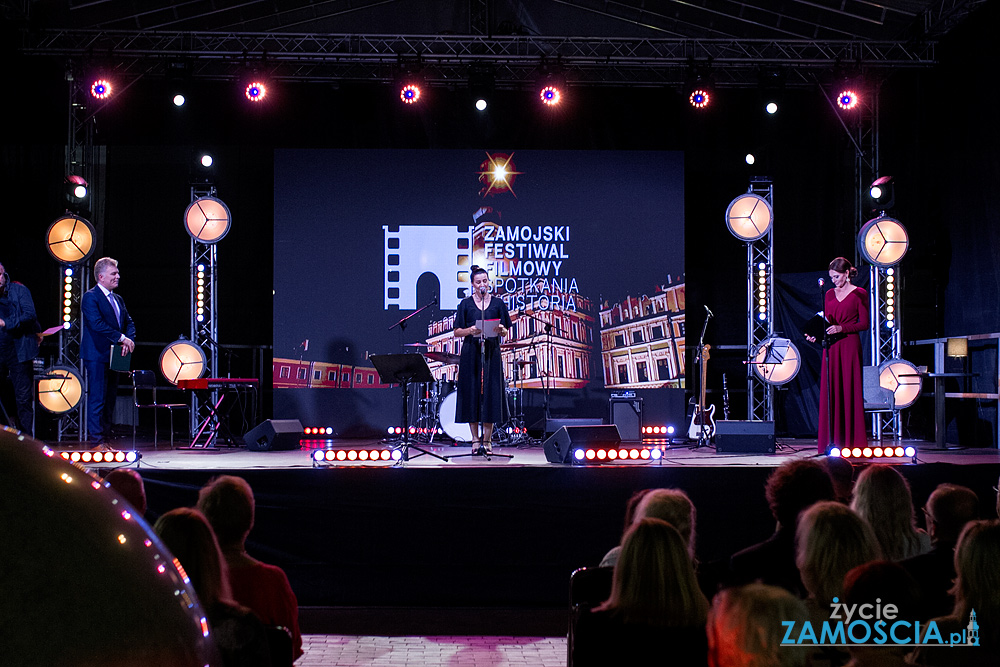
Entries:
{"x":481,"y":387}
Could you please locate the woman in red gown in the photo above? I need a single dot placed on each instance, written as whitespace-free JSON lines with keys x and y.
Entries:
{"x":846,"y":309}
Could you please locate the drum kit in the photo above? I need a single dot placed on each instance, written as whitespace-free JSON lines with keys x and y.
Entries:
{"x":434,"y":412}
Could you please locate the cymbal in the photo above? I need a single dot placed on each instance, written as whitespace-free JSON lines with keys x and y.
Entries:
{"x":443,"y":357}
{"x":414,"y":344}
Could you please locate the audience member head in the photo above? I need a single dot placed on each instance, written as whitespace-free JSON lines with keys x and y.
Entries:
{"x":882,"y":497}
{"x":228,"y":504}
{"x":978,"y":583}
{"x":745,"y":628}
{"x":948,"y":509}
{"x":128,"y":483}
{"x":188,"y":536}
{"x":674,"y":507}
{"x":794,"y":486}
{"x":842,"y":475}
{"x":880,"y":584}
{"x":830,"y":540}
{"x":654,"y":581}
{"x":630,"y":506}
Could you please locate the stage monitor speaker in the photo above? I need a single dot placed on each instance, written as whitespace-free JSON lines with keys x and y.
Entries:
{"x":626,"y":414}
{"x":273,"y":435}
{"x":747,"y":437}
{"x":559,"y":446}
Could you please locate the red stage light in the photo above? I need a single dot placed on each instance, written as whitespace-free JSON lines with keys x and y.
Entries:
{"x":550,"y":96}
{"x":612,"y":454}
{"x":363,"y":455}
{"x":856,"y":451}
{"x":410,"y":93}
{"x":847,"y":100}
{"x":341,"y":455}
{"x":591,"y":454}
{"x":898,"y":451}
{"x":699,"y":98}
{"x":256,"y":91}
{"x":100,"y":89}
{"x":633,"y":453}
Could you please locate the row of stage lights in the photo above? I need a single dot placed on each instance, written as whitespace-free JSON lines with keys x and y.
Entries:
{"x":590,"y":456}
{"x":356,"y":455}
{"x":551,"y":93}
{"x":86,"y":456}
{"x":897,"y":452}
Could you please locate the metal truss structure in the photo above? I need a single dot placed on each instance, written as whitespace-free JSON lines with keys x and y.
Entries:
{"x":204,"y":321}
{"x":444,"y":60}
{"x":886,"y":338}
{"x":760,"y":325}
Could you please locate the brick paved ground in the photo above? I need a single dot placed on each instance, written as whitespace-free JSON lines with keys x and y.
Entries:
{"x":349,"y":651}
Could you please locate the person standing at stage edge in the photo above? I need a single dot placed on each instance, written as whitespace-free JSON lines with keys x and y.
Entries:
{"x":846,"y":309}
{"x":105,"y":322}
{"x":18,"y":345}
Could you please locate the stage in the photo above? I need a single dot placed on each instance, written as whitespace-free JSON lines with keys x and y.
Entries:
{"x":395,"y":549}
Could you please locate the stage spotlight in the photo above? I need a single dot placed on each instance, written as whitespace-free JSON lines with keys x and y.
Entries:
{"x":776,"y":361}
{"x":550,"y":95}
{"x":903,"y":379}
{"x":179,"y":100}
{"x":206,"y":160}
{"x":699,"y":98}
{"x":882,"y":193}
{"x":481,"y":104}
{"x":182,"y":360}
{"x":255,"y":91}
{"x":883,"y":241}
{"x":750,"y":158}
{"x":847,"y":100}
{"x":60,"y":389}
{"x":771,"y":108}
{"x":100,"y":89}
{"x":76,"y":187}
{"x":410,"y":93}
{"x":207,"y":220}
{"x":70,"y":239}
{"x":749,"y":217}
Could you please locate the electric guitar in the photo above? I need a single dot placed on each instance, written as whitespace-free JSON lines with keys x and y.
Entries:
{"x":702,"y":421}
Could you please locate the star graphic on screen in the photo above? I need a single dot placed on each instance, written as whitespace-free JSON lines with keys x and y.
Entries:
{"x":497,"y":173}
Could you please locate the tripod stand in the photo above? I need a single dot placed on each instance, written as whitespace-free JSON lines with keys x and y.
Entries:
{"x":402,"y":369}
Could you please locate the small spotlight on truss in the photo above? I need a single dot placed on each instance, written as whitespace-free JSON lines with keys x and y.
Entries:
{"x":771,"y":108}
{"x":206,"y":160}
{"x":255,"y":91}
{"x":882,"y":193}
{"x":410,"y":93}
{"x":481,"y":104}
{"x":847,"y":99}
{"x":699,"y":98}
{"x":550,"y":95}
{"x":179,"y":100}
{"x":100,"y":89}
{"x":750,"y":158}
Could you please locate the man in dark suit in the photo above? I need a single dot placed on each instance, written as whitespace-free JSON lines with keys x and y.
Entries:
{"x":105,"y":322}
{"x":18,"y":345}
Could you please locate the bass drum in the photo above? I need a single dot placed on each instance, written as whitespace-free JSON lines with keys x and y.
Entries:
{"x":446,"y":415}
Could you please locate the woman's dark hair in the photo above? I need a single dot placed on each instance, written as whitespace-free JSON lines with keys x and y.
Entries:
{"x":476,"y":270}
{"x":842,"y":265}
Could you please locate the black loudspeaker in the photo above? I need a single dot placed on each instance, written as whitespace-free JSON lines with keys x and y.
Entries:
{"x":553,"y":424}
{"x":626,"y":414}
{"x":273,"y":435}
{"x":745,"y":437}
{"x":560,"y":445}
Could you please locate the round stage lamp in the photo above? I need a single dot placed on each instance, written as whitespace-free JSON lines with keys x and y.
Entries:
{"x":70,"y":239}
{"x":776,"y":361}
{"x":901,"y":378}
{"x":883,"y":241}
{"x":207,"y":220}
{"x":60,"y":389}
{"x":749,"y":217}
{"x":182,"y":360}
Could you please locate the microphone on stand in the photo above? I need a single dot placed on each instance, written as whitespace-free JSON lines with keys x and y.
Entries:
{"x":710,"y":314}
{"x":821,"y":282}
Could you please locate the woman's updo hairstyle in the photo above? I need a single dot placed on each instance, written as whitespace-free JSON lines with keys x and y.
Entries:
{"x":842,"y":265}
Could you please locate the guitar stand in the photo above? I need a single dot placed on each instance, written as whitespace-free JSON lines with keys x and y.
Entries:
{"x":402,"y":369}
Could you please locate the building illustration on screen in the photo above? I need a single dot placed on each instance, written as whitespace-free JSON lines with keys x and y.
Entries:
{"x":642,"y":340}
{"x":413,"y":250}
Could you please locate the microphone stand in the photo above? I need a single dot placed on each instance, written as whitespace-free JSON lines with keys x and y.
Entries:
{"x":546,"y":374}
{"x":827,"y":344}
{"x":402,"y":329}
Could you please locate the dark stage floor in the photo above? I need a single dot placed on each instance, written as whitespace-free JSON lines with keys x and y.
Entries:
{"x":475,"y":546}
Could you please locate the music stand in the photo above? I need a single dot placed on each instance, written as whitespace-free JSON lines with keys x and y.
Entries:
{"x":777,"y":349}
{"x":402,"y":369}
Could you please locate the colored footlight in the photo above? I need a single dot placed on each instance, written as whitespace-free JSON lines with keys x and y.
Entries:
{"x":847,"y":100}
{"x":255,"y":91}
{"x":409,"y":94}
{"x":578,"y":454}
